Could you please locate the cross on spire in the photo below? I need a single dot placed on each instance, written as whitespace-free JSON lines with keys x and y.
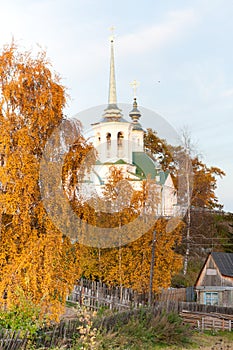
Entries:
{"x":135,"y":84}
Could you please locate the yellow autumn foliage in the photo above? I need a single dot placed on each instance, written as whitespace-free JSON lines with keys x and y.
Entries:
{"x":34,"y":254}
{"x":129,"y":265}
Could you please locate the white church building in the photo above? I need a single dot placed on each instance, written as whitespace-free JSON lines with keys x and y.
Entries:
{"x":120,"y":142}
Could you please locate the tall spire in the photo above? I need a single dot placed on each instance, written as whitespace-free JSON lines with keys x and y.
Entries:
{"x":112,"y":112}
{"x":112,"y":100}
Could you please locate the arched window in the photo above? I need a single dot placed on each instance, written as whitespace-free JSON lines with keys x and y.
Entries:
{"x":120,"y":138}
{"x":108,"y":139}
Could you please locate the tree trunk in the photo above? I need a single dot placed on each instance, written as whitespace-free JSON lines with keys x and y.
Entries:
{"x":187,"y":177}
{"x":152,"y":267}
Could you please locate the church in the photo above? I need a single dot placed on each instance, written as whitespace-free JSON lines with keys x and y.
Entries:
{"x":120,"y":142}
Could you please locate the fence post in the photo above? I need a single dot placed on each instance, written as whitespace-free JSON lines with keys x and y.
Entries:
{"x":202,"y":324}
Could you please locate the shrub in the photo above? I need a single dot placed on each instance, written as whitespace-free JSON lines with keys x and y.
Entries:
{"x":142,"y":328}
{"x":25,"y":316}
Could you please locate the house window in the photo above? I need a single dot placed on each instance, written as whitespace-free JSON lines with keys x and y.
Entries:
{"x":211,"y":298}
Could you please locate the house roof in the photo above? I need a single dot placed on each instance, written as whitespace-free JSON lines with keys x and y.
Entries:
{"x":224,"y":261}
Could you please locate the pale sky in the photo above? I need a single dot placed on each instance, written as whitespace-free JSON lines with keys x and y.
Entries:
{"x":186,"y":45}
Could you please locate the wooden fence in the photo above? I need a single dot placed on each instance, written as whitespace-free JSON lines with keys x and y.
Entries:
{"x":12,"y":340}
{"x":208,"y":321}
{"x":95,"y":295}
{"x":210,"y":309}
{"x":203,"y":317}
{"x":57,"y":335}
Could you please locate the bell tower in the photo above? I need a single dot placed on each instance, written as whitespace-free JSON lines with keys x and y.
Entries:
{"x":112,"y":134}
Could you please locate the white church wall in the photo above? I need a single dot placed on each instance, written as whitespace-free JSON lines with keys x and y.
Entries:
{"x":112,"y":141}
{"x":137,"y":141}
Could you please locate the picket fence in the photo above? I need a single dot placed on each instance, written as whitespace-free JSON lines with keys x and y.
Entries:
{"x":95,"y":295}
{"x":57,"y":335}
{"x":199,"y":316}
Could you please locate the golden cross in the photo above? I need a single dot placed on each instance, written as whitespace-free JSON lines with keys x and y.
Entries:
{"x":112,"y":30}
{"x":135,"y":84}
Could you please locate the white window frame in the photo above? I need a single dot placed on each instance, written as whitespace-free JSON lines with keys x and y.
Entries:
{"x":211,"y":298}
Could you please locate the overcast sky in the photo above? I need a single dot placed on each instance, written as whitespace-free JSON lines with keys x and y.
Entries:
{"x":186,"y":45}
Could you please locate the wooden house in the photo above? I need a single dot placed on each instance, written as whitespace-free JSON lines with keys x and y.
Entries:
{"x":214,"y":285}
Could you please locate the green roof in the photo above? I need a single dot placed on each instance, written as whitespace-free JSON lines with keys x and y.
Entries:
{"x":139,"y":177}
{"x":120,"y":161}
{"x":163,"y":176}
{"x":144,"y":163}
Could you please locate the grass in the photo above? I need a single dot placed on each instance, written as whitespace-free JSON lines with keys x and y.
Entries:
{"x":204,"y":341}
{"x":144,"y":329}
{"x":141,"y":329}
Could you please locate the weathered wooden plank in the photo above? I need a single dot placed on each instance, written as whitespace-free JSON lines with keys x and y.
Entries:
{"x":205,"y":321}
